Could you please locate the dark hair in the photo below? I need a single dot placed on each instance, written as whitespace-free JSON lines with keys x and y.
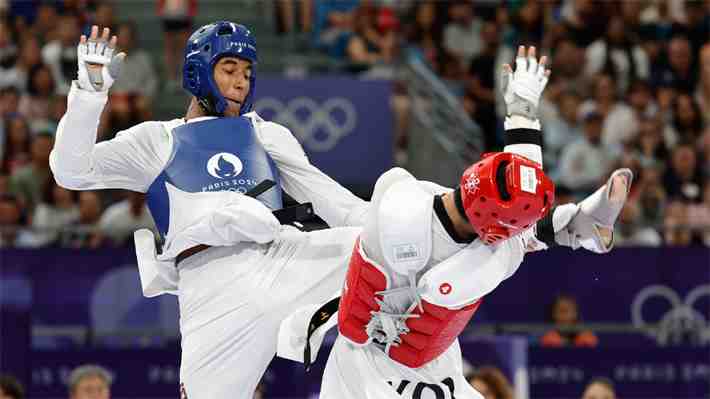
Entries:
{"x":11,"y":89}
{"x":32,"y":89}
{"x":495,"y":379}
{"x":696,"y":125}
{"x":11,"y":386}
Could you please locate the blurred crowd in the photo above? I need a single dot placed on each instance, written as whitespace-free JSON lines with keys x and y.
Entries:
{"x":630,"y":88}
{"x":91,"y":381}
{"x":38,"y":61}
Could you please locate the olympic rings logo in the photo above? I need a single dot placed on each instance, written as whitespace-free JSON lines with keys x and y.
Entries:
{"x":682,"y":320}
{"x":319,"y":127}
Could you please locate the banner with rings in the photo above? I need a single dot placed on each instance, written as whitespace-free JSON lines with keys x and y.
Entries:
{"x":344,"y":124}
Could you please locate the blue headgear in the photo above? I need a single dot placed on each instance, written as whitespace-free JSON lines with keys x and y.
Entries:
{"x":204,"y":49}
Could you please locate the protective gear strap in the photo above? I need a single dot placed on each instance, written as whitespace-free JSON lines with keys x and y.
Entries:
{"x":430,"y":334}
{"x":546,"y":230}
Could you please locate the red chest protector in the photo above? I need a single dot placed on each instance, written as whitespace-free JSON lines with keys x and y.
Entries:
{"x":430,"y":335}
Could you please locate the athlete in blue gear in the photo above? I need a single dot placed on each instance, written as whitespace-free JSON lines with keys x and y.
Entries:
{"x":236,"y":269}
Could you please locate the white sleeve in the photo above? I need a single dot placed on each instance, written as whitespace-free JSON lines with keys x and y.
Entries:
{"x":523,"y":147}
{"x":130,"y":161}
{"x":306,"y":183}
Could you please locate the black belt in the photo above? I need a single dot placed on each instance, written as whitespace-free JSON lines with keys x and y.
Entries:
{"x":320,"y":317}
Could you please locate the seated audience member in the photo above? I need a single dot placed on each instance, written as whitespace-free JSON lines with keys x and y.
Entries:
{"x":10,"y":388}
{"x":565,"y":316}
{"x":599,"y":388}
{"x":90,"y":382}
{"x":491,"y":383}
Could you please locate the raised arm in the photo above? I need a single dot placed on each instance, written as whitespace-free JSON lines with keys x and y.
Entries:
{"x":131,"y":160}
{"x":589,"y":224}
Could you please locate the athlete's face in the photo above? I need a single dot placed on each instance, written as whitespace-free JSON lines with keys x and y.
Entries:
{"x":232,"y":77}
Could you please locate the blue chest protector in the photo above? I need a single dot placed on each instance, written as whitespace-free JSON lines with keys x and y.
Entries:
{"x":214,"y":155}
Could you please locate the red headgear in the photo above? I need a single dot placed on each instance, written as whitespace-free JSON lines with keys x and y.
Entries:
{"x":503,"y":194}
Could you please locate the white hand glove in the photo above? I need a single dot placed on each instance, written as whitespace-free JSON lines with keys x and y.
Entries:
{"x":590,"y":224}
{"x":522,"y":89}
{"x":98,"y":67}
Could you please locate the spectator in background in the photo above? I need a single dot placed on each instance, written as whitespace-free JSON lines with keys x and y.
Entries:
{"x":585,"y":162}
{"x":56,"y":211}
{"x":490,"y":382}
{"x":90,"y":382}
{"x":27,"y":181}
{"x":599,"y":388}
{"x":40,"y":88}
{"x":17,"y":143}
{"x":60,"y":54}
{"x":684,"y":179}
{"x":124,"y":111}
{"x":462,"y":35}
{"x":584,"y":20}
{"x":619,"y":123}
{"x":649,"y":145}
{"x":86,"y":233}
{"x":561,"y":128}
{"x":177,"y":17}
{"x":675,"y":225}
{"x":8,"y":54}
{"x":687,"y":121}
{"x":10,"y":387}
{"x":121,"y":219}
{"x":702,"y":93}
{"x":104,"y":15}
{"x":640,"y":99}
{"x":699,"y":215}
{"x":618,"y":55}
{"x":425,"y":33}
{"x":563,"y":195}
{"x":9,"y":101}
{"x":696,"y":26}
{"x":285,"y":17}
{"x":30,"y":56}
{"x":566,"y":60}
{"x":651,"y":196}
{"x":564,"y":314}
{"x":334,"y":22}
{"x":366,"y":46}
{"x":138,"y":76}
{"x":631,"y":233}
{"x":481,"y":85}
{"x":528,"y":23}
{"x":45,"y":22}
{"x":12,"y":232}
{"x":4,"y":184}
{"x":678,"y":70}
